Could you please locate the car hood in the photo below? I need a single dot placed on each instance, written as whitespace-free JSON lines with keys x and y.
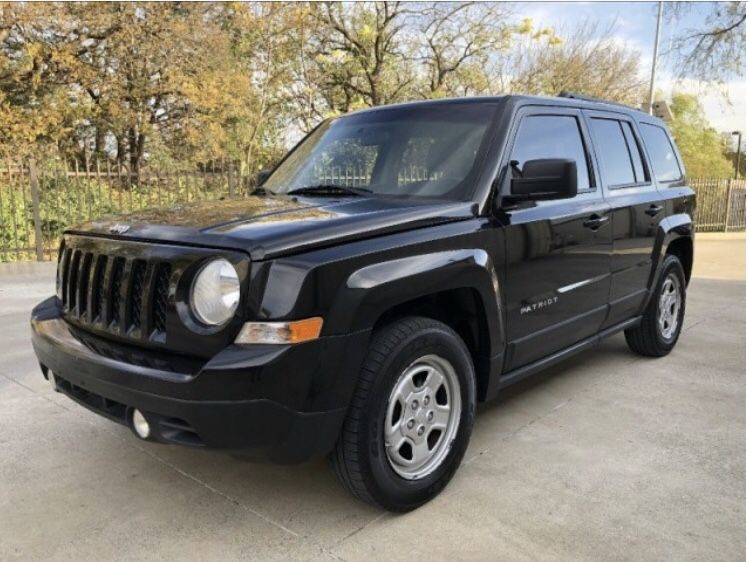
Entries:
{"x":269,"y":226}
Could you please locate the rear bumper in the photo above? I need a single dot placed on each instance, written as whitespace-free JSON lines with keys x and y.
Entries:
{"x":277,"y":403}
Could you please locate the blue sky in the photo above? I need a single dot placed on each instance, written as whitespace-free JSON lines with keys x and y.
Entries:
{"x":634,"y":25}
{"x":634,"y":20}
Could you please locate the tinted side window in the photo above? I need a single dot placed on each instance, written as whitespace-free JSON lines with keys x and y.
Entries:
{"x":635,"y":152}
{"x":613,"y":152}
{"x":661,"y":153}
{"x":552,"y":136}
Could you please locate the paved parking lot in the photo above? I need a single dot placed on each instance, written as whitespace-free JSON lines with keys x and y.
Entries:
{"x":606,"y":456}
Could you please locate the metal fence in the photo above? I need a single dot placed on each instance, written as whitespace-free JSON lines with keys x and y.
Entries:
{"x":720,"y":205}
{"x":38,"y":201}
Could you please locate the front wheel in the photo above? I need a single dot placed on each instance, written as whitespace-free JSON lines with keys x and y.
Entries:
{"x":662,"y":322}
{"x":410,"y":418}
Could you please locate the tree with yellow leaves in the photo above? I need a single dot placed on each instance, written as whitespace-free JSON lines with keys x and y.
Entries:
{"x":205,"y":82}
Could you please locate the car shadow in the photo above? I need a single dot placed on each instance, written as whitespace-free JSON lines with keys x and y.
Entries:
{"x":307,"y":497}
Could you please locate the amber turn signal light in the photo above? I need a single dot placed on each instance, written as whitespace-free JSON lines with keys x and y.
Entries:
{"x":297,"y":331}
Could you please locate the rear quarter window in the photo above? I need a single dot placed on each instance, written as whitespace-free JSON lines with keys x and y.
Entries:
{"x":635,"y":152}
{"x":661,"y":153}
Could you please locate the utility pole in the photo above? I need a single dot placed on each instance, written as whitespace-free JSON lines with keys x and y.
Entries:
{"x":654,"y":58}
{"x":737,"y":153}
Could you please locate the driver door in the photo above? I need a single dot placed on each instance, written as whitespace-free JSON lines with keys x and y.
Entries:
{"x":558,"y":252}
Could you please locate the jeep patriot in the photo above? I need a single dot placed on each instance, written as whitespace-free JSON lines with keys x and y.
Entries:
{"x":363,"y":315}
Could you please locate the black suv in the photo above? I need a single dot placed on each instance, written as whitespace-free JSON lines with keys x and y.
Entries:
{"x":398,"y":266}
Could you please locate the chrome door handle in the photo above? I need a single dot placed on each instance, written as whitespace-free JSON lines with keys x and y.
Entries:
{"x":654,"y":210}
{"x":595,"y":222}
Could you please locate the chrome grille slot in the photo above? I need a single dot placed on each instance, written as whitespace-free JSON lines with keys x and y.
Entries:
{"x":65,"y":266}
{"x":137,"y":289}
{"x":161,"y":296}
{"x":83,"y":279}
{"x":73,"y":280}
{"x":115,"y":293}
{"x":98,"y":290}
{"x":65,"y":276}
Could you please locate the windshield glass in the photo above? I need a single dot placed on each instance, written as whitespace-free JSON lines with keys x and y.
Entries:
{"x":422,"y":151}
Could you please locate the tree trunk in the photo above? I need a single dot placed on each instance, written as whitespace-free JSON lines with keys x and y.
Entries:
{"x":136,"y":148}
{"x":99,"y":143}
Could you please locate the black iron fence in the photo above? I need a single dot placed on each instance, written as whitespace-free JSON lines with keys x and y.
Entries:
{"x":720,"y":205}
{"x":39,"y":200}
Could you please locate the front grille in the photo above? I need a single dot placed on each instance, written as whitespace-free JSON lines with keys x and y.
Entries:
{"x":136,"y":292}
{"x":115,"y":293}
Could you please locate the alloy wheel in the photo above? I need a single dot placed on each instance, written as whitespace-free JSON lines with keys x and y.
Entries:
{"x":423,"y":416}
{"x":668,"y":314}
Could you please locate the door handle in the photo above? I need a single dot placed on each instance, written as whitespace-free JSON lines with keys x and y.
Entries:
{"x":595,"y":222}
{"x":654,"y":210}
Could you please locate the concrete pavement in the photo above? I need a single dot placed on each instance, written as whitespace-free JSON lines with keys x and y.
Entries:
{"x":606,"y":456}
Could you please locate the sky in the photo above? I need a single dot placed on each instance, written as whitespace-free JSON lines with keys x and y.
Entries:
{"x":634,"y":25}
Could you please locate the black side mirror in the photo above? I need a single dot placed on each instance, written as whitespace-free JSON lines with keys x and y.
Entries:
{"x":542,"y":180}
{"x":261,"y":176}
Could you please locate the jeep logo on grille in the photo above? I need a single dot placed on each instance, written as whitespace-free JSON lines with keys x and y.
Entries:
{"x":119,"y":228}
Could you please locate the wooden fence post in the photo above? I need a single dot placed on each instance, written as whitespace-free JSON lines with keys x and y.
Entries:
{"x":36,"y":210}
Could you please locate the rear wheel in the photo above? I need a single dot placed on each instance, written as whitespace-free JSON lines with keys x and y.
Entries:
{"x":662,"y":322}
{"x":410,"y":417}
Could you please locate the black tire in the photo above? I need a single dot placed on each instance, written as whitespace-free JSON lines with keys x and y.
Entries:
{"x":648,"y":339}
{"x":359,"y":458}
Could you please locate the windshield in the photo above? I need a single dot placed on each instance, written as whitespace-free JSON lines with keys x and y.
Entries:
{"x":407,"y":151}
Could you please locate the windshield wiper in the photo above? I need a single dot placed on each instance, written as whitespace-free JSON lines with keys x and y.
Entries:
{"x":330,"y":189}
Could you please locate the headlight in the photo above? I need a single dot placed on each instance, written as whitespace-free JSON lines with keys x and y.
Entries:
{"x":215,"y":292}
{"x":58,"y":282}
{"x":60,"y":264}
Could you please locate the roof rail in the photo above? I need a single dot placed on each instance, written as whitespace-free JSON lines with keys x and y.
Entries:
{"x":572,"y":95}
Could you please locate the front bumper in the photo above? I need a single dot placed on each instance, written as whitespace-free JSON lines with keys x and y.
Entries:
{"x":272,"y":402}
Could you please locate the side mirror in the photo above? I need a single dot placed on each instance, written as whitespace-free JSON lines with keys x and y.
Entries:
{"x":261,"y":176}
{"x":542,"y":180}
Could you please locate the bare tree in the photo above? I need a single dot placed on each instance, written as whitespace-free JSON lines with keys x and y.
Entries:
{"x":714,"y":51}
{"x":586,"y":60}
{"x":359,"y":52}
{"x":459,"y":37}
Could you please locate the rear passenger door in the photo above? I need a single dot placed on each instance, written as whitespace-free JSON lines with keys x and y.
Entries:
{"x":557,"y":276}
{"x":637,"y":208}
